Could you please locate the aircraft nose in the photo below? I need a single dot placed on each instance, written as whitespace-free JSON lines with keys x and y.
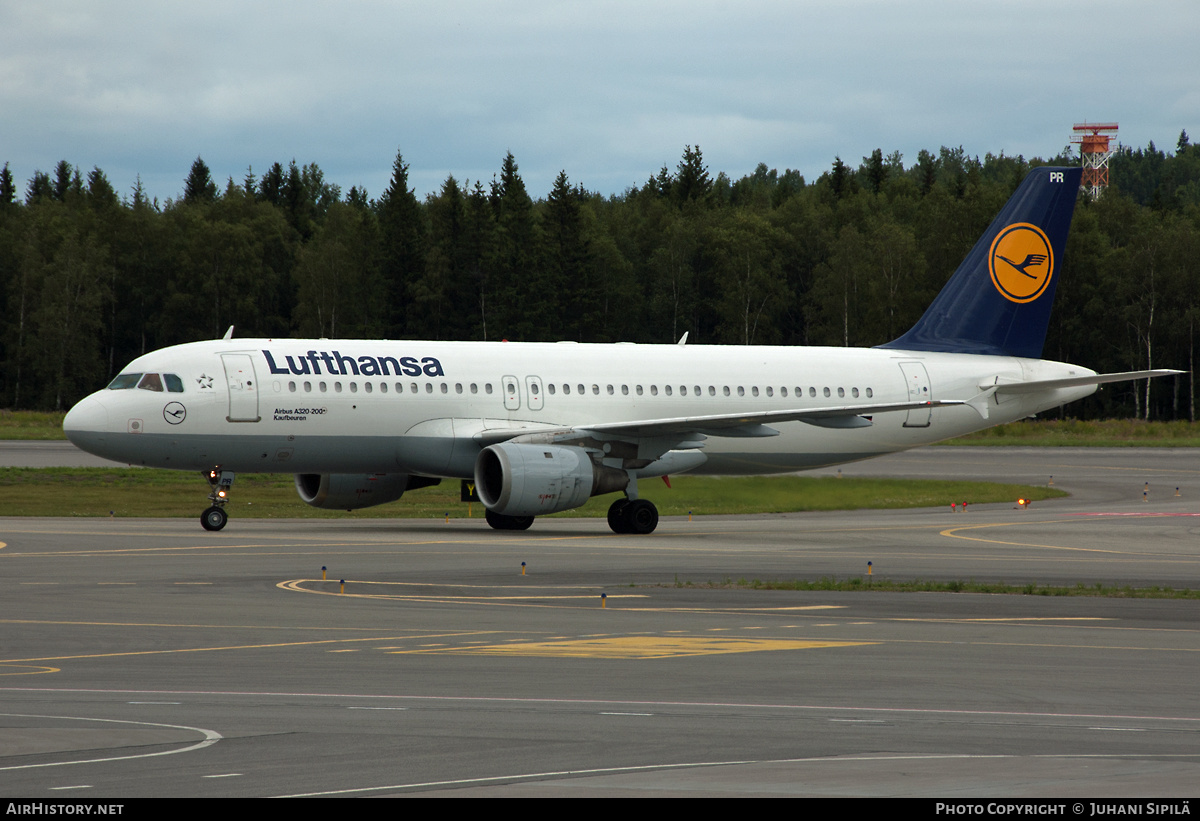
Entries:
{"x":87,"y":418}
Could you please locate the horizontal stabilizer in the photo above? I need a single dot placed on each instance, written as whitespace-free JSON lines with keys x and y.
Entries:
{"x":1040,"y":385}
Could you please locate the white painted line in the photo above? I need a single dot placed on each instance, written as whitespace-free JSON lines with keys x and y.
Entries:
{"x":832,"y":760}
{"x":210,"y":737}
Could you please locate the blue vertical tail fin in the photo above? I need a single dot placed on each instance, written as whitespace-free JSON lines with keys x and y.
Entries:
{"x":999,"y":299}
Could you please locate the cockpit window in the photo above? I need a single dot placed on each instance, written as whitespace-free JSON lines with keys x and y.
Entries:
{"x":124,"y":382}
{"x":174,"y":383}
{"x":151,"y":382}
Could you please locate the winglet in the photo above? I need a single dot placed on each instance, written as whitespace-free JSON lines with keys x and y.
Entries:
{"x":229,"y":333}
{"x":682,"y":339}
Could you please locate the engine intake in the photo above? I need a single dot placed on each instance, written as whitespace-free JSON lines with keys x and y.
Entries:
{"x":351,"y":491}
{"x":533,"y":480}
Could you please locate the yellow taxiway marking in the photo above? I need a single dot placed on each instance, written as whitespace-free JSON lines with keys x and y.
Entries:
{"x":533,"y":597}
{"x":953,"y":533}
{"x":639,"y":647}
{"x":20,"y":670}
{"x":311,"y":643}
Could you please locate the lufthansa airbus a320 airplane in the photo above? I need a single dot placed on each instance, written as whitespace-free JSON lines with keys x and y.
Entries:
{"x":540,"y":428}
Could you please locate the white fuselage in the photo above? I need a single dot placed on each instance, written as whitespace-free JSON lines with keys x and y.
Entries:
{"x":421,"y":407}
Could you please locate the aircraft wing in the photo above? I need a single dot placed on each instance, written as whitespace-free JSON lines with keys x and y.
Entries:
{"x":696,"y":427}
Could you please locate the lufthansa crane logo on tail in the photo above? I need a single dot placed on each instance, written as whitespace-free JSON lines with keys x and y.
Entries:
{"x":1021,"y":262}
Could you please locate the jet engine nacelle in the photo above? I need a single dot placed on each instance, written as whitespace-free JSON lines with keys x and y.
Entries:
{"x":350,"y":491}
{"x":533,"y":480}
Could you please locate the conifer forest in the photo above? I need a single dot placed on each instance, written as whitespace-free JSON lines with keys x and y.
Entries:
{"x":91,"y":277}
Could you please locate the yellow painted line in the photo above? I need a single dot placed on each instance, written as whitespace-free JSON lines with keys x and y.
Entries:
{"x":953,"y":533}
{"x":244,"y":647}
{"x":1027,"y":618}
{"x":32,"y":671}
{"x":200,"y":626}
{"x":532,"y":598}
{"x":802,"y":607}
{"x":296,"y":586}
{"x":641,"y":647}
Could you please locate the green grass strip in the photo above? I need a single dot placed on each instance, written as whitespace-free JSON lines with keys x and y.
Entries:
{"x":1096,"y":433}
{"x":869,"y":584}
{"x":164,"y":493}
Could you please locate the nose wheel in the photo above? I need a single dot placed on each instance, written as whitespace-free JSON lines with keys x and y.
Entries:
{"x":215,"y":517}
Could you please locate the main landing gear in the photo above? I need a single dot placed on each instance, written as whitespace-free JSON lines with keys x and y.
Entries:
{"x":215,"y":517}
{"x":638,"y":516}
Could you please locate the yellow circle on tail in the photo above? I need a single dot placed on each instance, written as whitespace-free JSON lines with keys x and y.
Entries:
{"x":1021,"y":262}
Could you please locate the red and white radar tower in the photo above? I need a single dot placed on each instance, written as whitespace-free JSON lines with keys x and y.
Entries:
{"x":1094,"y":148}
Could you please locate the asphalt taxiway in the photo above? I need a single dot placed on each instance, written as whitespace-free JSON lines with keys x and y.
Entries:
{"x":149,"y":658}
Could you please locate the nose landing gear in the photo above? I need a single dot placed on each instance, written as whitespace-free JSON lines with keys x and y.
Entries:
{"x":215,"y":517}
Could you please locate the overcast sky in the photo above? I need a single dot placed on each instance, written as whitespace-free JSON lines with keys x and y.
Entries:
{"x":608,"y":91}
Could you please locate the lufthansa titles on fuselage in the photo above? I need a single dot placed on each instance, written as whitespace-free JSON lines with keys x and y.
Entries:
{"x":337,"y":364}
